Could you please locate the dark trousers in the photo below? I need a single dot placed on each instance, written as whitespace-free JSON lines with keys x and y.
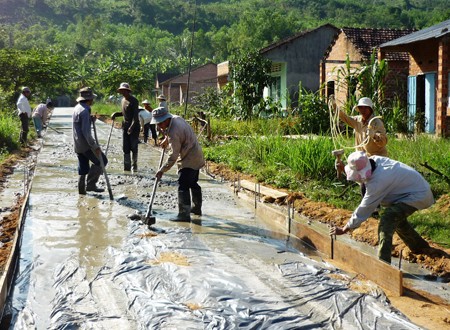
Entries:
{"x":25,"y":124}
{"x":394,"y":219}
{"x":84,"y":158}
{"x":130,"y":142}
{"x":188,"y":179}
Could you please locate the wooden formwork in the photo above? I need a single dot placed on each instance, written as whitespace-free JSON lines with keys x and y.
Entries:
{"x":385,"y":275}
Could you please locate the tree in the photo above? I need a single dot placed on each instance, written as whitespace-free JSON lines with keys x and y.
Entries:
{"x":250,"y":72}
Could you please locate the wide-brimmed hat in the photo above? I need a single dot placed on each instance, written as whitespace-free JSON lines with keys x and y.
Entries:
{"x":146,"y":101}
{"x":124,"y":85}
{"x":26,"y":89}
{"x":161,"y":97}
{"x":358,"y":168}
{"x":365,"y":102}
{"x":86,"y":94}
{"x":159,"y":115}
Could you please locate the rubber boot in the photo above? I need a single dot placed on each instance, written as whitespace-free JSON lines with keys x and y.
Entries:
{"x":135,"y":159}
{"x":184,"y":207}
{"x":94,"y":174}
{"x":82,"y":184}
{"x":126,"y":162}
{"x":196,"y":201}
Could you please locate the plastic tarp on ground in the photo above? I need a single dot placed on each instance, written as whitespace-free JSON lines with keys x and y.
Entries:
{"x":85,"y":265}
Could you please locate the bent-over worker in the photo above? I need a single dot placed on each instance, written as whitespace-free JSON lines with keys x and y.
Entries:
{"x":85,"y":146}
{"x":397,"y":187}
{"x":188,"y":154}
{"x":40,"y":116}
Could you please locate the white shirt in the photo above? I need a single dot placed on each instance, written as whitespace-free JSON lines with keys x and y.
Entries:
{"x":392,"y":182}
{"x":145,"y":117}
{"x":23,"y":106}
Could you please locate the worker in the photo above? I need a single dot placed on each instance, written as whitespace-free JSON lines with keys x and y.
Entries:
{"x":188,"y":154}
{"x":399,"y":188}
{"x":40,"y":116}
{"x":162,"y":101}
{"x":24,"y":112}
{"x":145,"y":118}
{"x":370,"y":134}
{"x":85,"y":146}
{"x":130,"y":127}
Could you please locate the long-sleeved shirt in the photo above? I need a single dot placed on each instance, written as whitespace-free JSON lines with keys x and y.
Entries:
{"x":392,"y":182}
{"x":81,"y":129}
{"x":144,"y":117}
{"x":23,"y":106}
{"x":371,"y":147}
{"x":185,"y":149}
{"x":41,"y":111}
{"x":130,"y":112}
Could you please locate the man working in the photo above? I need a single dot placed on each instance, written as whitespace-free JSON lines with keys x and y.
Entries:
{"x":24,"y":112}
{"x":397,"y":187}
{"x":145,"y":117}
{"x":85,"y":146}
{"x":40,"y":116}
{"x":188,"y":154}
{"x":370,"y":134}
{"x":130,"y":126}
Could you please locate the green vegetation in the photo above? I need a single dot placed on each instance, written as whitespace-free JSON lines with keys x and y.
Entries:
{"x":307,"y":165}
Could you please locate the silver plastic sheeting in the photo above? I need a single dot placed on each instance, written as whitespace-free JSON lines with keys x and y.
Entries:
{"x":85,"y":265}
{"x":212,"y":289}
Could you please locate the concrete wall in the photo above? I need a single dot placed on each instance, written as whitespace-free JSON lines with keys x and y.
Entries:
{"x":302,"y":57}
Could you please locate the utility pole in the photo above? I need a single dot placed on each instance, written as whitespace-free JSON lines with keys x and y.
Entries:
{"x":190,"y":59}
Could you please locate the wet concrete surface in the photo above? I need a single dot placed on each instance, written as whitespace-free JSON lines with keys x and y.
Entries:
{"x":85,"y":265}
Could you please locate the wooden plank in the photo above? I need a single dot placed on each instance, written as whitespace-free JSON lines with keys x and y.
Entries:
{"x":381,"y":273}
{"x":248,"y":185}
{"x":311,"y":237}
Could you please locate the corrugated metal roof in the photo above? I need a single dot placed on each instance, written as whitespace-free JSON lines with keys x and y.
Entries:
{"x":435,"y":31}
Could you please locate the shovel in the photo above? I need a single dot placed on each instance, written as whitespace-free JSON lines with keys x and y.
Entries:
{"x":149,"y":219}
{"x":102,"y":164}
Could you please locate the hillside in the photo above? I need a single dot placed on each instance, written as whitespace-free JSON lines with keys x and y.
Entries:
{"x":147,"y":26}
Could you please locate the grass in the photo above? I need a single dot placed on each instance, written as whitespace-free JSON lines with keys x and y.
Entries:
{"x":306,"y":165}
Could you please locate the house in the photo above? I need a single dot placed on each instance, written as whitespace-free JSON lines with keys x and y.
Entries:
{"x":160,"y":78}
{"x":428,"y":76}
{"x":176,"y":88}
{"x":296,"y":61}
{"x":356,"y":45}
{"x":223,"y":71}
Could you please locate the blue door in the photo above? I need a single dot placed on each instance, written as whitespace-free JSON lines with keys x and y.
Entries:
{"x":412,"y":87}
{"x":430,"y":104}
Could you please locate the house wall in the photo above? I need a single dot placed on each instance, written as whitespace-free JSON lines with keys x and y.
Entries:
{"x":433,"y":56}
{"x":335,"y":63}
{"x":424,"y":59}
{"x":302,"y":59}
{"x":200,"y":78}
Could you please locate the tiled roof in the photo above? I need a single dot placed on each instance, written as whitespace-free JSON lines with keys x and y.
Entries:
{"x":365,"y":40}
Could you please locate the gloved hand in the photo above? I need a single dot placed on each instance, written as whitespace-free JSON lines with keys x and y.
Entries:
{"x":159,"y":175}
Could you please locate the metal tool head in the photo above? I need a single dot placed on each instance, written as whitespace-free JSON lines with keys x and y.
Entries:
{"x":338,"y":152}
{"x":149,"y":220}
